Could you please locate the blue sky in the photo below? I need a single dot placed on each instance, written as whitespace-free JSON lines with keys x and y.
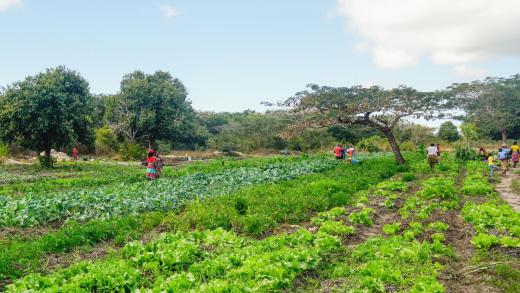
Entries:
{"x":233,"y":54}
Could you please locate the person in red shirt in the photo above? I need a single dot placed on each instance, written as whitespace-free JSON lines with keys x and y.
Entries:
{"x":75,"y":153}
{"x":337,"y":152}
{"x":151,"y":166}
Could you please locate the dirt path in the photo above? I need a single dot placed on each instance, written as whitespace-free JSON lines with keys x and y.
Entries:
{"x":506,"y":193}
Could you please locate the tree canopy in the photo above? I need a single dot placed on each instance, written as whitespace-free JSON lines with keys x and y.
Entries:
{"x":324,"y":106}
{"x":52,"y":109}
{"x":492,"y":104}
{"x":150,"y":107}
{"x":448,"y":131}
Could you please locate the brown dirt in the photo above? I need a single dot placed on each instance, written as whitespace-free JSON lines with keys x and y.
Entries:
{"x":506,"y":192}
{"x":23,"y":233}
{"x":456,"y":276}
{"x":57,"y":261}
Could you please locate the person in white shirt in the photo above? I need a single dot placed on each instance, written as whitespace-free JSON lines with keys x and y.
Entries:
{"x":432,"y":155}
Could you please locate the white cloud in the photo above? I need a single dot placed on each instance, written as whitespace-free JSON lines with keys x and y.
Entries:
{"x":7,"y":4}
{"x":170,"y":10}
{"x":400,"y":32}
{"x":469,"y":73}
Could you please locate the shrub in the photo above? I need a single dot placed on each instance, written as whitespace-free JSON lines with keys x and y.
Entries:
{"x":131,"y":151}
{"x":371,"y":144}
{"x":407,"y":177}
{"x":106,"y":140}
{"x":46,"y":162}
{"x":4,"y":151}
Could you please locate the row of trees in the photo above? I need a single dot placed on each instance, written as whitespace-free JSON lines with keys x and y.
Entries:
{"x":55,"y":109}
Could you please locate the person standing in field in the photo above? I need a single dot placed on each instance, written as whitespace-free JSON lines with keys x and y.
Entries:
{"x":433,"y":159}
{"x":151,"y":165}
{"x":515,"y":154}
{"x":503,"y":156}
{"x":75,"y":153}
{"x":491,"y":164}
{"x":337,"y":152}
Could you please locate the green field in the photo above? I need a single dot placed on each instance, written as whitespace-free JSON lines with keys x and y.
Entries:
{"x":298,"y":224}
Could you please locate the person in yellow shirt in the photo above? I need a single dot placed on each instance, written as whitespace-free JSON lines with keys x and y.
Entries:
{"x":492,"y":166}
{"x":515,"y":154}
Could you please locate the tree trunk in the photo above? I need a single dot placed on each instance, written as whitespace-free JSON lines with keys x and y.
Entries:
{"x":47,"y":153}
{"x":504,"y":135}
{"x":151,"y":143}
{"x":393,"y":144}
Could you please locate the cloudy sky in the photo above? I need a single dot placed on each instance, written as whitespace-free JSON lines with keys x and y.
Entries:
{"x":233,"y":54}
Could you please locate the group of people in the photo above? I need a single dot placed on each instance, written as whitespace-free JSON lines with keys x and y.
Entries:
{"x":345,"y":153}
{"x":505,"y":156}
{"x":154,"y":165}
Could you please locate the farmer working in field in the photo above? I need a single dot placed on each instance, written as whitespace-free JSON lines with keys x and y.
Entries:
{"x":337,"y":152}
{"x":491,"y":164}
{"x":151,"y":165}
{"x":503,"y":156}
{"x":432,"y":155}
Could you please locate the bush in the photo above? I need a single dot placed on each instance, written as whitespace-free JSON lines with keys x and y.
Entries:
{"x":106,"y":140}
{"x":4,"y":151}
{"x":46,"y":162}
{"x":464,"y":153}
{"x":371,"y":144}
{"x":131,"y":151}
{"x":407,"y":146}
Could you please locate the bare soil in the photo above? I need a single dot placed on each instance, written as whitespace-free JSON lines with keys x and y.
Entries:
{"x":506,"y":192}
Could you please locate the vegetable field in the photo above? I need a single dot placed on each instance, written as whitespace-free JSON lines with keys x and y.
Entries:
{"x":292,"y":224}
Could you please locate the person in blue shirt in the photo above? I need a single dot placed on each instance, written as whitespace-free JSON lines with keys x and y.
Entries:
{"x":503,"y":156}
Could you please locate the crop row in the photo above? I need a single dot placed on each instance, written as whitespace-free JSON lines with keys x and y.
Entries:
{"x":207,"y":261}
{"x":266,"y":265}
{"x":252,"y":210}
{"x":81,"y":175}
{"x":495,"y":222}
{"x":400,"y":261}
{"x":126,"y":199}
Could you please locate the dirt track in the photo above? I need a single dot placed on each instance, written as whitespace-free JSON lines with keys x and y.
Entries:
{"x":505,"y":191}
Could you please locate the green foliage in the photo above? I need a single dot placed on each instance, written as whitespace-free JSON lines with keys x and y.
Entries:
{"x":392,"y":229}
{"x":51,"y":110}
{"x":476,"y":183}
{"x":438,"y":187}
{"x":336,"y":228}
{"x":211,"y":260}
{"x":438,"y":226}
{"x":404,"y":265}
{"x":408,"y":177}
{"x":329,"y":215}
{"x":18,"y":257}
{"x":448,"y":131}
{"x":47,"y":161}
{"x":106,"y":140}
{"x":363,"y":217}
{"x":151,"y":107}
{"x":493,"y":216}
{"x":371,"y":144}
{"x":130,"y":151}
{"x":164,"y":194}
{"x":464,"y":153}
{"x":484,"y":241}
{"x":4,"y":151}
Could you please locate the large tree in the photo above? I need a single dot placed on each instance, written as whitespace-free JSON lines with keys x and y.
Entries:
{"x":151,"y":107}
{"x":492,"y":104}
{"x":323,"y":106}
{"x":53,"y":109}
